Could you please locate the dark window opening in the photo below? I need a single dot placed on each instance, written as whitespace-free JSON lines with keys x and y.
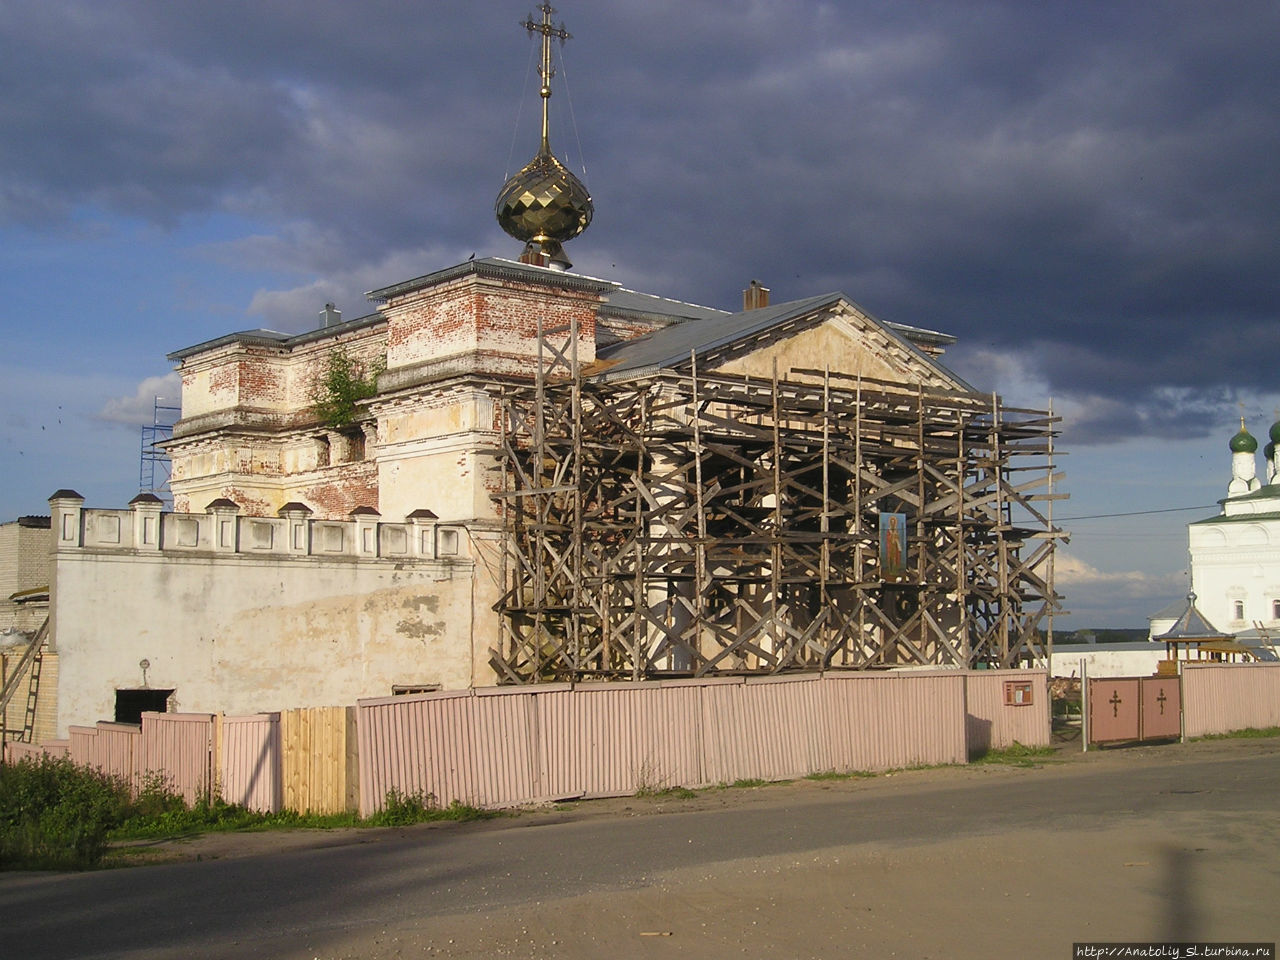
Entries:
{"x":132,"y":704}
{"x":406,"y":689}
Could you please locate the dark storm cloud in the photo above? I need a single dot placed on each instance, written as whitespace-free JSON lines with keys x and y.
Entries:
{"x":1090,"y":184}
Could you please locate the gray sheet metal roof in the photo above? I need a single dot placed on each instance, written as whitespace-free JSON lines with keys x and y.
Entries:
{"x":672,"y":345}
{"x":274,"y":338}
{"x":497,"y":268}
{"x":1192,"y":625}
{"x":625,"y":303}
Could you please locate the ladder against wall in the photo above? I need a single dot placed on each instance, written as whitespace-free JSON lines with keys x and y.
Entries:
{"x":25,"y":675}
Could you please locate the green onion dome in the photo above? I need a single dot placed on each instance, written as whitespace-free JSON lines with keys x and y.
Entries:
{"x":1243,"y":442}
{"x":1275,"y":432}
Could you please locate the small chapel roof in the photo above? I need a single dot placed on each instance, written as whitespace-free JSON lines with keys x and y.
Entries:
{"x":1192,"y":625}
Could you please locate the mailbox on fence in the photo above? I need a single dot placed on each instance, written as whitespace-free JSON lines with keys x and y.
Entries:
{"x":1018,"y":693}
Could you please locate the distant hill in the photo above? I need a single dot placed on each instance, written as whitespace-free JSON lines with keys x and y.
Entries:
{"x":1102,"y":635}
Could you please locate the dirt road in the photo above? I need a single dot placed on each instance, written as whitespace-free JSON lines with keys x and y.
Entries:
{"x":1170,"y":843}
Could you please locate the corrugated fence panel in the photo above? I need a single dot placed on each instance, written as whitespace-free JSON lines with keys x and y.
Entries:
{"x":503,"y":775}
{"x":725,"y":756}
{"x":784,"y":724}
{"x":16,"y":750}
{"x":992,"y":723}
{"x":250,"y":762}
{"x":109,"y":747}
{"x":319,"y":767}
{"x":558,"y":744}
{"x":885,"y":721}
{"x":612,"y":740}
{"x":420,"y":743}
{"x":179,"y":746}
{"x":1222,"y":697}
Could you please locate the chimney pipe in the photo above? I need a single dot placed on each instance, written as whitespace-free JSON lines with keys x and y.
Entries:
{"x":329,"y":317}
{"x":755,"y":296}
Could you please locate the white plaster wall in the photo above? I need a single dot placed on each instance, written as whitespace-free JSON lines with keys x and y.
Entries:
{"x":1107,"y":660}
{"x":244,"y":634}
{"x":1236,"y":561}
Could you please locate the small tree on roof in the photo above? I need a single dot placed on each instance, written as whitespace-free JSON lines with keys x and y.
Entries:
{"x":341,"y":386}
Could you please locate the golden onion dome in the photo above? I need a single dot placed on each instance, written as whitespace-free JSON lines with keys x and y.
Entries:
{"x":543,"y":202}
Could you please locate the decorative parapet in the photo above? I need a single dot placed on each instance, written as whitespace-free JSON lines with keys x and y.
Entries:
{"x":145,"y":528}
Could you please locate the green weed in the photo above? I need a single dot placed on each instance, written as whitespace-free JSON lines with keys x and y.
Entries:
{"x":1249,"y":733}
{"x":1016,"y":755}
{"x":839,"y":775}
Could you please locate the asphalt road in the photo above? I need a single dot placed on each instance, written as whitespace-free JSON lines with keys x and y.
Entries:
{"x":354,"y":894}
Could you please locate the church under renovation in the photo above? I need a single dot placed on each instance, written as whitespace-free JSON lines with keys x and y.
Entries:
{"x":512,"y":473}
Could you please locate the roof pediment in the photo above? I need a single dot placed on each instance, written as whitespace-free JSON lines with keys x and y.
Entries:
{"x":823,"y":332}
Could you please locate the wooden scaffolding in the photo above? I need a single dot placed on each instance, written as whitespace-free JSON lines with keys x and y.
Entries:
{"x":685,"y":524}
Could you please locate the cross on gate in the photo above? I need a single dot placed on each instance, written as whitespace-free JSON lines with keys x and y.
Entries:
{"x":1161,"y":699}
{"x":1115,"y":702}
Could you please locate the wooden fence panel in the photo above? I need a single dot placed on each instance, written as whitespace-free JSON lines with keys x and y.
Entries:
{"x":319,"y":762}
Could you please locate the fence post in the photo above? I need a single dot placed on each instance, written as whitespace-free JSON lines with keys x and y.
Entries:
{"x":1084,"y":705}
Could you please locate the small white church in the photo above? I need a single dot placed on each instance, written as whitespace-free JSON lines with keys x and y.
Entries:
{"x":1235,"y":556}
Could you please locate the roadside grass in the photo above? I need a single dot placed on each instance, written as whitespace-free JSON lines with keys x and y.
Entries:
{"x":1249,"y":733}
{"x":56,"y":815}
{"x":1016,"y":755}
{"x":824,"y":775}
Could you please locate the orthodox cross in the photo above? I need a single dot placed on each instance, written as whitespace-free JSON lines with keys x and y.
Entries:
{"x":1161,"y":699}
{"x":545,"y":70}
{"x":1115,"y":702}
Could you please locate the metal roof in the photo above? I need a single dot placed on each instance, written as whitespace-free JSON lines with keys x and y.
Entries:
{"x":672,"y":345}
{"x":498,"y":269}
{"x":1192,"y":625}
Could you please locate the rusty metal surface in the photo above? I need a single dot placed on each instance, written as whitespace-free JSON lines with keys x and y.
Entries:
{"x":1113,"y":710}
{"x":1222,"y":697}
{"x":992,"y":724}
{"x":249,"y":765}
{"x":1161,"y":708}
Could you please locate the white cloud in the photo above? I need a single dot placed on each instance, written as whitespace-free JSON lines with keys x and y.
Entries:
{"x":139,"y":409}
{"x":1112,"y":598}
{"x":298,"y":308}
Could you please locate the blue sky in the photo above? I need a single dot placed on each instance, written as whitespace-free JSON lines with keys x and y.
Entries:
{"x":1084,"y":193}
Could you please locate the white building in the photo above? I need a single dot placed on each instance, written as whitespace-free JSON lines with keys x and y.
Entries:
{"x":1235,"y":556}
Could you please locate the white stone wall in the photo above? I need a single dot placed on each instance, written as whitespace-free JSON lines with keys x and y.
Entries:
{"x":1107,"y":660}
{"x":249,"y":614}
{"x":244,"y":634}
{"x":1237,"y":562}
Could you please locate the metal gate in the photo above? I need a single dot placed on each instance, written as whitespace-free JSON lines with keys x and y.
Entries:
{"x":1134,"y":708}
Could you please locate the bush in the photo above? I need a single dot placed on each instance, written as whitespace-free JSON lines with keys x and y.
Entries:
{"x":57,"y":815}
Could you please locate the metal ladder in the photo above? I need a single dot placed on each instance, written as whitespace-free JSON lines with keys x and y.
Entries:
{"x":1265,"y":637}
{"x":33,"y":658}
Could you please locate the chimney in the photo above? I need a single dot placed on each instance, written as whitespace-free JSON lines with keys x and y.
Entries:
{"x":755,"y":296}
{"x":329,"y":317}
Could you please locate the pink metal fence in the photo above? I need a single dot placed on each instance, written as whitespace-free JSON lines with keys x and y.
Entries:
{"x":506,"y":746}
{"x":1004,"y":707}
{"x":179,"y":747}
{"x":109,"y":747}
{"x":249,"y":761}
{"x":1222,"y":697}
